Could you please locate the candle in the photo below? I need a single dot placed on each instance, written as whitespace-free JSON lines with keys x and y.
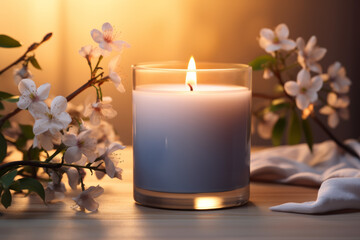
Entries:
{"x":191,"y":140}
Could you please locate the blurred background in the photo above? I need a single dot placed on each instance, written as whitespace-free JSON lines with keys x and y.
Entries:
{"x":161,"y":30}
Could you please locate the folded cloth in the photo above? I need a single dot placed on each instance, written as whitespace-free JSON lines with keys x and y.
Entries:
{"x":334,"y":194}
{"x":297,"y":165}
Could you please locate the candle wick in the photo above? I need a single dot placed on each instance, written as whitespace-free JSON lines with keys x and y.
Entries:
{"x":191,"y":88}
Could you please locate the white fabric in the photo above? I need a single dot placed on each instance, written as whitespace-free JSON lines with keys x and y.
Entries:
{"x":336,"y":172}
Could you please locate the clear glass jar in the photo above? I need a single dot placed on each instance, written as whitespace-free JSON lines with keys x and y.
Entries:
{"x":191,"y":140}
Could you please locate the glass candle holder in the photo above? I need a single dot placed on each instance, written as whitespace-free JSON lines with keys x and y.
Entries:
{"x":191,"y":135}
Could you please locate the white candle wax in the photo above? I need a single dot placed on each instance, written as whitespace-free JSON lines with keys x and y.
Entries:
{"x":191,"y":142}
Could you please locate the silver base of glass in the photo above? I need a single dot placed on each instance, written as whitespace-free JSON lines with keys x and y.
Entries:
{"x":192,"y":201}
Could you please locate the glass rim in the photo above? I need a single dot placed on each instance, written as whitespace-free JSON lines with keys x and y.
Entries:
{"x":165,"y":66}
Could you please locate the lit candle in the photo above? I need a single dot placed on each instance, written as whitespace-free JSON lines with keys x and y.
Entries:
{"x":191,"y":140}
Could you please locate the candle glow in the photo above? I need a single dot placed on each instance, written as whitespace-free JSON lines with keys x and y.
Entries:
{"x":191,"y":74}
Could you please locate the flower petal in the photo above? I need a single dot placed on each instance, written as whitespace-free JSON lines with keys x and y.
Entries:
{"x":24,"y":102}
{"x":58,"y":105}
{"x":311,"y":95}
{"x":106,"y":46}
{"x":119,"y":45}
{"x":72,"y":154}
{"x":287,"y":44}
{"x":333,"y":69}
{"x":95,"y":118}
{"x":302,"y":101}
{"x":73,"y":178}
{"x":315,"y":67}
{"x":114,"y":147}
{"x":344,"y":113}
{"x":43,"y":91}
{"x":326,"y":110}
{"x":292,"y":88}
{"x":97,"y":36}
{"x":39,"y":110}
{"x":303,"y":79}
{"x":333,"y":120}
{"x":317,"y":54}
{"x":267,"y":33}
{"x":109,"y":167}
{"x":272,"y":48}
{"x":282,"y":31}
{"x":69,"y":140}
{"x":332,"y":99}
{"x":40,"y":126}
{"x":45,"y":140}
{"x":106,"y":27}
{"x":300,"y":43}
{"x":95,"y":192}
{"x":311,"y":44}
{"x":64,"y":118}
{"x":316,"y":83}
{"x":27,"y":85}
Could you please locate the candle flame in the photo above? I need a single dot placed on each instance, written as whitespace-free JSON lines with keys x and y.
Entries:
{"x":191,"y":74}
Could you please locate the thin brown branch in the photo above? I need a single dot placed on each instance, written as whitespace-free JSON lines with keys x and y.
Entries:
{"x":342,"y":145}
{"x":31,"y":48}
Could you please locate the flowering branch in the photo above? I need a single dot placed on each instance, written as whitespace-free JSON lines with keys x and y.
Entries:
{"x":303,"y":93}
{"x":30,"y":49}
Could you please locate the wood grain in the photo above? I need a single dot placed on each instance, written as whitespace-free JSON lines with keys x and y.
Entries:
{"x":120,"y":218}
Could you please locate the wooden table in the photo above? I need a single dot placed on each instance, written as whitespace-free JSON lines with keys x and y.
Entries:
{"x":120,"y":218}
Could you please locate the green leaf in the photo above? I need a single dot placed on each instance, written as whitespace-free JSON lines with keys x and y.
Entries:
{"x":32,"y":185}
{"x":260,"y":62}
{"x":8,"y":179}
{"x":278,"y":131}
{"x":308,"y":133}
{"x":34,"y":62}
{"x":27,"y":131}
{"x":279,"y":106}
{"x":8,"y":42}
{"x":4,"y":96}
{"x":3,"y":147}
{"x":6,"y":198}
{"x":294,"y":134}
{"x":2,"y":106}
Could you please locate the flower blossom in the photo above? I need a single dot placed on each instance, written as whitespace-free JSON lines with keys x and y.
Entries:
{"x":111,"y":160}
{"x":337,"y":106}
{"x":90,"y":52}
{"x":304,"y":89}
{"x":86,"y":198}
{"x":98,"y":110}
{"x":268,"y":73}
{"x":22,"y":73}
{"x":46,"y":140}
{"x":266,"y":125}
{"x":78,"y":145}
{"x":106,"y":39}
{"x":309,"y":55}
{"x":273,"y":41}
{"x":53,"y":119}
{"x":32,"y":97}
{"x":336,"y":74}
{"x":114,"y":77}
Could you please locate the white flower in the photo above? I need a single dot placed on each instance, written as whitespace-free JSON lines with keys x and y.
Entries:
{"x":74,"y":177}
{"x":267,"y":73}
{"x":111,"y":159}
{"x":118,"y":173}
{"x":86,"y":198}
{"x":106,"y":38}
{"x":54,"y":191}
{"x":90,"y":52}
{"x":104,"y":133}
{"x":336,"y":74}
{"x":30,"y":96}
{"x":114,"y":77}
{"x":266,"y":125}
{"x":98,"y":110}
{"x":78,"y":145}
{"x":53,"y":119}
{"x":21,"y":73}
{"x":337,"y":106}
{"x":46,"y":140}
{"x":309,"y":55}
{"x":304,"y":89}
{"x":273,"y":41}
